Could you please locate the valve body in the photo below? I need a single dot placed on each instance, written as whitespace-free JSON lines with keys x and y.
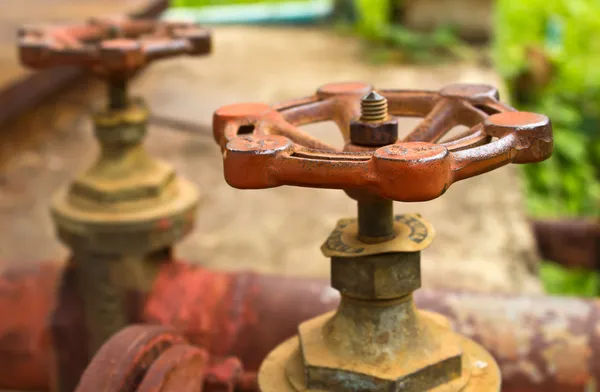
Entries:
{"x":125,"y":212}
{"x":377,"y":340}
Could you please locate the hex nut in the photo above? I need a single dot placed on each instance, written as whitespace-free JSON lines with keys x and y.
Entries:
{"x":162,"y":181}
{"x":135,"y":180}
{"x":382,"y":276}
{"x":413,"y":370}
{"x":375,"y":134}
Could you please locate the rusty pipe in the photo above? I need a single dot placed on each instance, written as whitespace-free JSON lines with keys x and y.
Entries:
{"x":26,"y":299}
{"x":542,"y":343}
{"x":573,"y":243}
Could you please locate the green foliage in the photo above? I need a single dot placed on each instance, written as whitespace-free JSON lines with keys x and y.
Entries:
{"x":568,"y":33}
{"x":561,"y":281}
{"x":372,"y":17}
{"x":203,"y":3}
{"x":371,"y":20}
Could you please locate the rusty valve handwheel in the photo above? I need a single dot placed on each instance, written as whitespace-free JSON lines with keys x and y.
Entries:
{"x":153,"y":358}
{"x":110,"y":46}
{"x":264,"y":148}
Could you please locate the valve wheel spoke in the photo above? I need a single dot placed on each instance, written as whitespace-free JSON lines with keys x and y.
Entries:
{"x":280,"y":125}
{"x":473,"y":137}
{"x":435,"y":125}
{"x":276,"y":152}
{"x":110,"y":46}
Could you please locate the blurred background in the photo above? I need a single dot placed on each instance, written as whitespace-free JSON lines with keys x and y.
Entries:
{"x":524,"y":229}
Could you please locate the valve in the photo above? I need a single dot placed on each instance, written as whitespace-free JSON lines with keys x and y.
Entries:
{"x":152,"y":358}
{"x":125,"y":212}
{"x":377,"y":340}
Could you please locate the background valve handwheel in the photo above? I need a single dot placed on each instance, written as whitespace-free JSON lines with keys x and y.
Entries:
{"x":110,"y":46}
{"x":267,"y":143}
{"x":126,"y":212}
{"x":153,"y":358}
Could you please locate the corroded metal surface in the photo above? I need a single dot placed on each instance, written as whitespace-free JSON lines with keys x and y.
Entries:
{"x":376,"y":340}
{"x":541,"y":343}
{"x":23,"y":91}
{"x":572,"y":243}
{"x":67,"y":325}
{"x":123,"y":209}
{"x":127,"y":206}
{"x":517,"y":330}
{"x":126,"y":358}
{"x":146,"y":358}
{"x":411,"y":233}
{"x":530,"y":337}
{"x":275,"y":365}
{"x":126,"y":202}
{"x":235,"y":313}
{"x":179,"y":369}
{"x":224,"y":374}
{"x":110,"y":47}
{"x":375,"y":127}
{"x":26,"y":297}
{"x":277,"y":152}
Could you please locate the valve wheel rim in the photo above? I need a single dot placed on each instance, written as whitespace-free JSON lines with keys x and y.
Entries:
{"x":110,"y":46}
{"x":497,"y":135}
{"x":123,"y":361}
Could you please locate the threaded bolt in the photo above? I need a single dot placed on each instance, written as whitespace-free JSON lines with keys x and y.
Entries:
{"x":373,"y":108}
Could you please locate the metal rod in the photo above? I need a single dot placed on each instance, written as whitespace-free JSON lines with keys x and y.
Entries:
{"x":103,"y":301}
{"x":375,"y":220}
{"x":117,"y":94}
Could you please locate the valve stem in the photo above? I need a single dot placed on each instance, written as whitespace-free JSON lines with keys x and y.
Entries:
{"x":373,"y":107}
{"x":375,"y":214}
{"x":117,"y":94}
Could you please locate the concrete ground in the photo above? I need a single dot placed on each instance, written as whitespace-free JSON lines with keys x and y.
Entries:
{"x":483,"y":242}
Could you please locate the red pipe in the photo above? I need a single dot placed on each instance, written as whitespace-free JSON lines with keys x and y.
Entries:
{"x":26,"y":298}
{"x":573,"y":243}
{"x":542,"y":343}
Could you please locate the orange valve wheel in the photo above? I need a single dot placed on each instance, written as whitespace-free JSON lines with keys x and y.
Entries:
{"x":267,"y":142}
{"x":377,"y":340}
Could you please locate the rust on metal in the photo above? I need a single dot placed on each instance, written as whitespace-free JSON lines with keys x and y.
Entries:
{"x":126,"y":357}
{"x":36,"y":87}
{"x":146,"y":358}
{"x":110,"y":46}
{"x":179,"y":369}
{"x":574,"y":243}
{"x":260,"y":311}
{"x":375,"y":127}
{"x":224,"y":374}
{"x":243,"y":130}
{"x":26,"y":297}
{"x":541,"y":344}
{"x":234,"y":313}
{"x":67,"y":325}
{"x":126,"y":208}
{"x":377,"y":340}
